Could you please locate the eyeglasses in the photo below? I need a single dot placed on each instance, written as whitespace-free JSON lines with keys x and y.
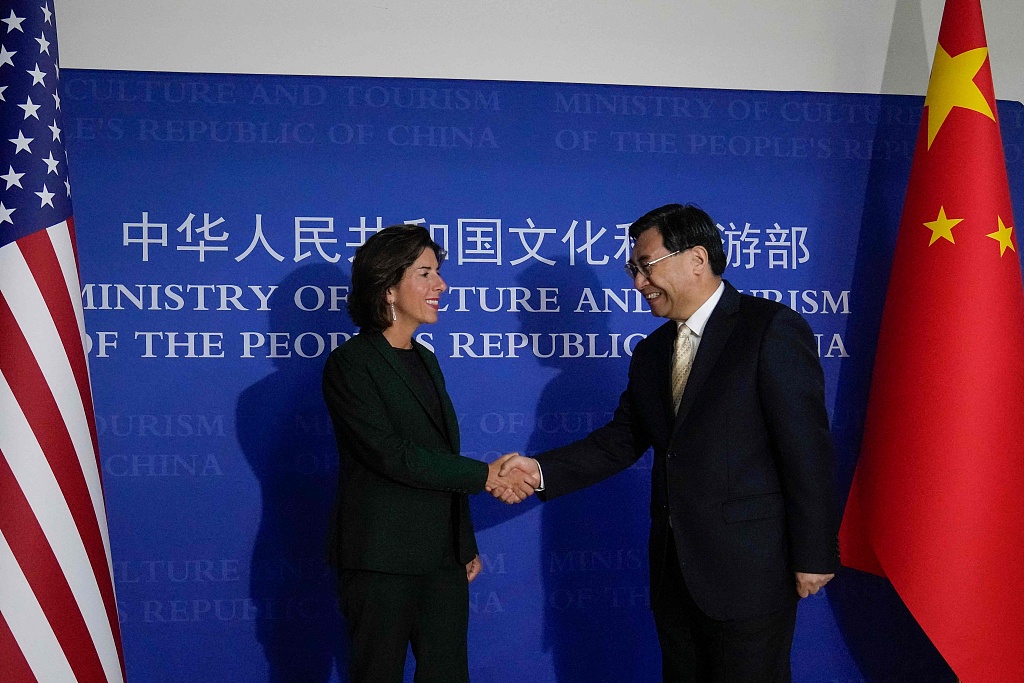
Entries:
{"x":645,"y":267}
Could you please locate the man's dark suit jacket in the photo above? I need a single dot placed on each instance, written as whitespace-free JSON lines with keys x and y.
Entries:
{"x":744,"y":471}
{"x":402,"y":479}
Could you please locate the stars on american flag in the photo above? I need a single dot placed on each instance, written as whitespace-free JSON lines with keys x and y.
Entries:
{"x":51,"y":164}
{"x":21,"y":143}
{"x":30,"y":108}
{"x":45,"y":197}
{"x":56,"y":568}
{"x":12,"y":178}
{"x":37,"y":76}
{"x":14,"y":23}
{"x":31,"y":148}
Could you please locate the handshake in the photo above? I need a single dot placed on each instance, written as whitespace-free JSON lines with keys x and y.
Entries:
{"x":513,"y":478}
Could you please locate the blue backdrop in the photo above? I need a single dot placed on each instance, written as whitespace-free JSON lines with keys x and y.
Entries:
{"x":217,"y":216}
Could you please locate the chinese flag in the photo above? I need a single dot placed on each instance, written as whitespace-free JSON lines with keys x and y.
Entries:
{"x":937,"y":503}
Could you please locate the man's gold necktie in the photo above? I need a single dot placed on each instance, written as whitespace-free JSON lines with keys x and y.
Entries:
{"x":682,"y":359}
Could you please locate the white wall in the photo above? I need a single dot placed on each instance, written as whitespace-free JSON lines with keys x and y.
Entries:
{"x":825,"y":45}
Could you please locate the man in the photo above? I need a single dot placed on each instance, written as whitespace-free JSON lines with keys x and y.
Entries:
{"x":730,"y":394}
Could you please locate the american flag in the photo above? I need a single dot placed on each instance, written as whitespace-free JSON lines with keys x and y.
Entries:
{"x":58,"y":617}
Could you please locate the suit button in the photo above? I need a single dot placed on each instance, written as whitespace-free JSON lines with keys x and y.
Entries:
{"x":671,"y":455}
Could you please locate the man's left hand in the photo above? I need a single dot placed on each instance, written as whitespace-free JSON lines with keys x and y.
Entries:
{"x":809,"y":584}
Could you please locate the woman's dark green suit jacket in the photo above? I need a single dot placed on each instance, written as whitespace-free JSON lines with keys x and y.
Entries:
{"x":402,"y":479}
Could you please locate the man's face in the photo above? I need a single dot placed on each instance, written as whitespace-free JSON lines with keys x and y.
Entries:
{"x":672,"y":285}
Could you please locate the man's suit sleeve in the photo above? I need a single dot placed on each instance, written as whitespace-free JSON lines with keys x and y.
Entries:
{"x":361,"y":418}
{"x":604,"y":452}
{"x":792,"y":389}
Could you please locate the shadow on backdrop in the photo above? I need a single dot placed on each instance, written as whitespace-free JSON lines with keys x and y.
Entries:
{"x":597,"y":622}
{"x":883,"y":638}
{"x":286,"y":435}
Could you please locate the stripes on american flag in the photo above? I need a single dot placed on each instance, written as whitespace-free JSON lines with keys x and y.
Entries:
{"x":58,"y":615}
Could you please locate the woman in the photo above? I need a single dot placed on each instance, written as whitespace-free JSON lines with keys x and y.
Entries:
{"x":402,"y":538}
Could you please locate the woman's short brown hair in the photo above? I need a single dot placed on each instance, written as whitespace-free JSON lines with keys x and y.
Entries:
{"x":379,"y":265}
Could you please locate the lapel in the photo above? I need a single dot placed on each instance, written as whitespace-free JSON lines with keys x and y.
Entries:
{"x":451,"y":422}
{"x":451,"y":427}
{"x":716,"y":334}
{"x":663,"y":346}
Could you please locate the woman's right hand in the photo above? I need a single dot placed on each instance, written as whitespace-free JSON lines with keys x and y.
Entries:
{"x":515,"y":485}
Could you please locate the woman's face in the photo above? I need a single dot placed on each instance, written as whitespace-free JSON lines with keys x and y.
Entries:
{"x":417,"y":296}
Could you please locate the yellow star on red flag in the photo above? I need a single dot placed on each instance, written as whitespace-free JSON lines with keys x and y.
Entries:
{"x":942,"y":227}
{"x":952,"y":85}
{"x":1002,"y":235}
